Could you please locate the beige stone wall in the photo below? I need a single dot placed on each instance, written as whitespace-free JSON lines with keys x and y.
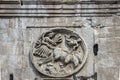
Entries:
{"x":108,"y":55}
{"x":17,"y":35}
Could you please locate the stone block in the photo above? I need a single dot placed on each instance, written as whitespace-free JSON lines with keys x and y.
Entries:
{"x":11,"y":48}
{"x":9,"y":35}
{"x":11,"y":64}
{"x":107,"y":60}
{"x":107,"y":21}
{"x":111,"y":45}
{"x":27,"y":48}
{"x":106,"y":32}
{"x":116,"y":20}
{"x":117,"y":31}
{"x":9,"y":23}
{"x":102,"y":48}
{"x":117,"y":44}
{"x":108,"y":73}
{"x":4,"y":23}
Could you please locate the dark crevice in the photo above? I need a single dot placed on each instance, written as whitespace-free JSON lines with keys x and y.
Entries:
{"x":95,"y":49}
{"x":21,"y":2}
{"x":95,"y":76}
{"x":11,"y":77}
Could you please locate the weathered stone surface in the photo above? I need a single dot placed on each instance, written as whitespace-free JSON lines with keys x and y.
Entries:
{"x":107,"y":60}
{"x":108,"y":73}
{"x":117,"y":31}
{"x":106,"y":32}
{"x":11,"y":48}
{"x":16,"y":40}
{"x":11,"y":35}
{"x":107,"y":21}
{"x":11,"y":64}
{"x":109,"y":45}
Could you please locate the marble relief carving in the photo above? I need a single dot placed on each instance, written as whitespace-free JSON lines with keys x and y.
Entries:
{"x":59,"y":53}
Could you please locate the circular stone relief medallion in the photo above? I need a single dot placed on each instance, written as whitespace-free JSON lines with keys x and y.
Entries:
{"x":59,"y":53}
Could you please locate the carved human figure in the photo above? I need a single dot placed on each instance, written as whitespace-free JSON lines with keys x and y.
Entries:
{"x":45,"y":45}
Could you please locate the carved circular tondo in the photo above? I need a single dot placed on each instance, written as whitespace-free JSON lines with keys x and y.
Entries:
{"x":59,"y":53}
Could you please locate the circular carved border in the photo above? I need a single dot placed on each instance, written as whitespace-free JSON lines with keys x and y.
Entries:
{"x":85,"y":51}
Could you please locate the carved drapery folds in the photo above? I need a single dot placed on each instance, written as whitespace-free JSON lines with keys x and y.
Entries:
{"x":59,"y":53}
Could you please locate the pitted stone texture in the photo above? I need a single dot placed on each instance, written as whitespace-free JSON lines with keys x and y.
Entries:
{"x":15,"y":36}
{"x":106,"y":32}
{"x":107,"y":60}
{"x":109,"y":45}
{"x":106,"y":21}
{"x":11,"y":64}
{"x":117,"y":31}
{"x":111,"y":73}
{"x":11,"y":48}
